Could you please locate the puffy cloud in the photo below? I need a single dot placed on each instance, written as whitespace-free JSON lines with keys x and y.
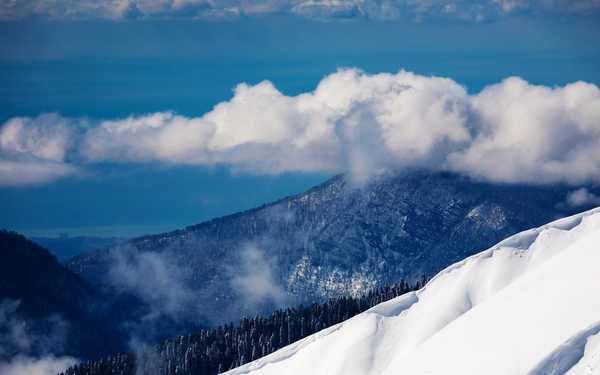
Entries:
{"x":33,"y":150}
{"x":351,"y":121}
{"x":528,"y":133}
{"x":415,"y":10}
{"x":363,"y":124}
{"x":46,"y":137}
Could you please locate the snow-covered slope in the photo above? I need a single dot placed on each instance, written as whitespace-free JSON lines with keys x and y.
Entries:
{"x":529,"y":305}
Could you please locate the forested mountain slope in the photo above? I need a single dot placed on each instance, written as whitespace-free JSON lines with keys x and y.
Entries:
{"x":42,"y":299}
{"x":333,"y":240}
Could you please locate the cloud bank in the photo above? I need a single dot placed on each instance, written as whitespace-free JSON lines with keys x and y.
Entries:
{"x":34,"y":150}
{"x":410,"y":10}
{"x":362,"y":124}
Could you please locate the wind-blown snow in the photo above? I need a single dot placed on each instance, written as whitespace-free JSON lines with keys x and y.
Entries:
{"x":529,"y":305}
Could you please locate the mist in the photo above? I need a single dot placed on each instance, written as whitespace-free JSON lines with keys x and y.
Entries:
{"x":24,"y":350}
{"x":254,"y":279}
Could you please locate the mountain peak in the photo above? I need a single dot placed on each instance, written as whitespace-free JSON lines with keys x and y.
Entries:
{"x":333,"y":240}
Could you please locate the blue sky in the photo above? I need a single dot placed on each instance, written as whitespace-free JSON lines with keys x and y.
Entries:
{"x":87,"y":69}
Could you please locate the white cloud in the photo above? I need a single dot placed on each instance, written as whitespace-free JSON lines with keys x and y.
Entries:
{"x":529,"y":133}
{"x":19,"y":173}
{"x":350,"y":120}
{"x":33,"y":150}
{"x":363,"y":124}
{"x":415,"y":10}
{"x":46,"y":137}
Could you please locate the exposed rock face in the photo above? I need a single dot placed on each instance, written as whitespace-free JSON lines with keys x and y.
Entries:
{"x":336,"y":239}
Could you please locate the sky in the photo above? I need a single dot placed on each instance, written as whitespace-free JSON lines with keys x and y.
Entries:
{"x":122,"y":118}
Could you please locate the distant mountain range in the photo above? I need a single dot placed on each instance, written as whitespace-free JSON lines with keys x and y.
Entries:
{"x":48,"y":297}
{"x":46,"y":309}
{"x":333,"y":240}
{"x":65,"y":247}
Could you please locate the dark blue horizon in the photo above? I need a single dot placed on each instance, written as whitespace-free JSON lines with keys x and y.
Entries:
{"x":106,"y":69}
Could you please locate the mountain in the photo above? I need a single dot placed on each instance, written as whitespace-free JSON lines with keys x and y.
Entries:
{"x":47,"y":309}
{"x":65,"y":247}
{"x":528,"y":305}
{"x":335,"y":239}
{"x":45,"y":299}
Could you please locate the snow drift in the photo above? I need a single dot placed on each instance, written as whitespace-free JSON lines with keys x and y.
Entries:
{"x":529,"y":305}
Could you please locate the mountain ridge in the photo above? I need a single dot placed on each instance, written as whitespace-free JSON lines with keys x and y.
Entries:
{"x":47,"y":297}
{"x":337,"y":239}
